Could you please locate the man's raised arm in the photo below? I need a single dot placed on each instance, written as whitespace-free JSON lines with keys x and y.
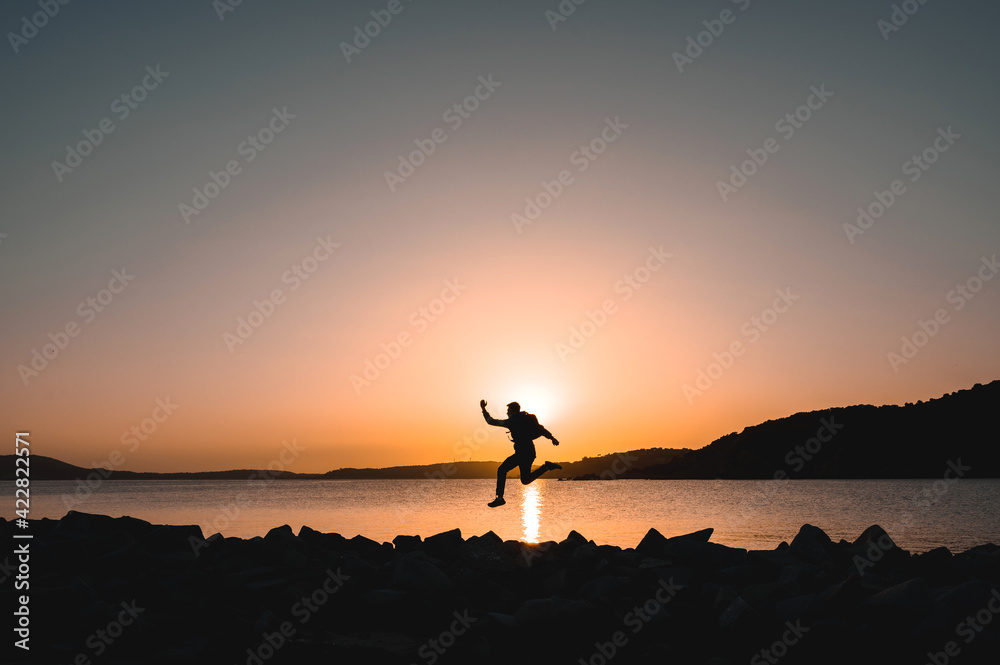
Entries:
{"x":490,"y":419}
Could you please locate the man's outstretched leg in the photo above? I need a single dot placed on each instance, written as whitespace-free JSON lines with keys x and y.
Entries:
{"x":528,"y":476}
{"x":502,"y":470}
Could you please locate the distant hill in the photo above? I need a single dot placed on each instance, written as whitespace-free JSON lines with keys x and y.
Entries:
{"x":611,"y":465}
{"x":49,"y":468}
{"x":911,"y":441}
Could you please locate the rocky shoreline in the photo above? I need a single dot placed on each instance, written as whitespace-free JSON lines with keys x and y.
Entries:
{"x":122,"y":590}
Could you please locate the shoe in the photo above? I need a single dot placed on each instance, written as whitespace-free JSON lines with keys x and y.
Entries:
{"x":496,"y":502}
{"x":552,"y":466}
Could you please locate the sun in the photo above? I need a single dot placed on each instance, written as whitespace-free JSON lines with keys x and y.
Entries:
{"x":539,"y":400}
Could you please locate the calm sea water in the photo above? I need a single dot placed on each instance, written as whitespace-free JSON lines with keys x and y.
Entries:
{"x":918,"y":514}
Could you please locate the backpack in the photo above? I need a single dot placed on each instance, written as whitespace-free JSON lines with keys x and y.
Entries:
{"x":531,"y":428}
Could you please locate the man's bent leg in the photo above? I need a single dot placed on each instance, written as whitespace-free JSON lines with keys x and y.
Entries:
{"x":527,"y":475}
{"x":534,"y":475}
{"x":502,"y":470}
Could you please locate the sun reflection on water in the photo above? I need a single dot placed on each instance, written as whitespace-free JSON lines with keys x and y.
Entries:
{"x":531,"y":509}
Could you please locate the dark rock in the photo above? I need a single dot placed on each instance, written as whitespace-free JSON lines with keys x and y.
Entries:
{"x":875,"y":547}
{"x":680,"y":575}
{"x":382,"y":599}
{"x":173,"y":539}
{"x":528,"y":554}
{"x":490,"y":537}
{"x":652,"y":543}
{"x":364,"y":547}
{"x":874,"y":534}
{"x":325,"y":541}
{"x":505,"y":620}
{"x":800,"y":573}
{"x":767,"y":594}
{"x":777,"y":558}
{"x":803,"y":606}
{"x":704,"y":555}
{"x":628,"y":558}
{"x":555,"y":584}
{"x":414,"y":573}
{"x":933,"y":559}
{"x":603,"y":587}
{"x":586,"y":558}
{"x":486,"y":554}
{"x":652,"y":562}
{"x":407,"y":543}
{"x":283,"y":533}
{"x":96,"y":526}
{"x":738,"y":616}
{"x":812,"y":544}
{"x":740,"y":575}
{"x":444,"y":545}
{"x":356,"y":566}
{"x":698,"y":536}
{"x":912,"y":596}
{"x":718,"y":596}
{"x":845,"y":594}
{"x":966,"y":599}
{"x":874,"y":583}
{"x":542,"y":611}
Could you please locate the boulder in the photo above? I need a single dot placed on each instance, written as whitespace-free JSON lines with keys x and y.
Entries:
{"x":325,"y":541}
{"x":797,"y":607}
{"x":812,"y":544}
{"x":874,"y":534}
{"x":172,"y":539}
{"x":540,"y":611}
{"x":778,"y":558}
{"x":413,"y":572}
{"x":652,"y":543}
{"x":486,"y":554}
{"x":703,"y":555}
{"x":738,"y":616}
{"x":911,"y":596}
{"x":698,"y":536}
{"x":364,"y":547}
{"x":97,"y":526}
{"x":767,"y":594}
{"x":407,"y":543}
{"x":444,"y":545}
{"x":603,"y":587}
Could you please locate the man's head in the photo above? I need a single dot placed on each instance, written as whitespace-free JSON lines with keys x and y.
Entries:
{"x":513,"y":408}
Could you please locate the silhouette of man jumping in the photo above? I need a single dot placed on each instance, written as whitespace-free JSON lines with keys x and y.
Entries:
{"x":524,"y":429}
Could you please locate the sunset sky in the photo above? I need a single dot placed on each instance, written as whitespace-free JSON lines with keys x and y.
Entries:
{"x":611,"y":121}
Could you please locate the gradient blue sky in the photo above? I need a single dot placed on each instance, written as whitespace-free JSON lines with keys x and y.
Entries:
{"x":323,"y":176}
